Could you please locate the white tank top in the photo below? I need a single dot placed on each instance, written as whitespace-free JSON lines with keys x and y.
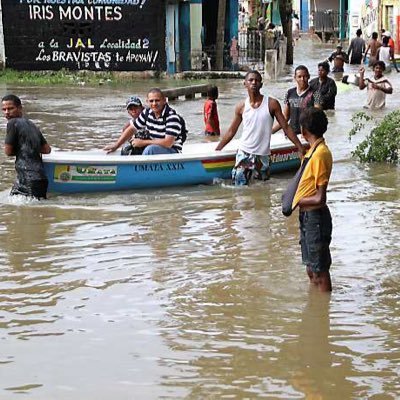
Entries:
{"x":384,"y":55}
{"x":257,"y":127}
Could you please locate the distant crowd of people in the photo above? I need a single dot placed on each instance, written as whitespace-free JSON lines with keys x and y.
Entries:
{"x":359,"y":51}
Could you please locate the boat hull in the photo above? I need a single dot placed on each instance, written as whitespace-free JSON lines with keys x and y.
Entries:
{"x":83,"y":172}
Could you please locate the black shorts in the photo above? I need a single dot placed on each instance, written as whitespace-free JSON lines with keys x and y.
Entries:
{"x":315,"y":238}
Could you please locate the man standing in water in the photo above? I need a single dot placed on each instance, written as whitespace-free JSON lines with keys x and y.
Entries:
{"x":25,"y":141}
{"x":377,"y":87}
{"x":257,"y":113}
{"x":297,"y":99}
{"x":339,"y":57}
{"x":356,"y":48}
{"x":325,"y":86}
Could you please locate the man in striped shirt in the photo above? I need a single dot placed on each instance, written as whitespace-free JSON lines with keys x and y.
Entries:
{"x":163,"y":124}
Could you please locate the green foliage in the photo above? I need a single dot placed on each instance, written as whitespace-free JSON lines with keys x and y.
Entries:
{"x":61,"y":77}
{"x":382,"y":143}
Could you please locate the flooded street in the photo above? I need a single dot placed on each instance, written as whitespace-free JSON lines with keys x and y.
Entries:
{"x":199,"y":292}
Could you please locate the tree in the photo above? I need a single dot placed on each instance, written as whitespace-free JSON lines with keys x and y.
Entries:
{"x":220,"y":39}
{"x":285,"y":12}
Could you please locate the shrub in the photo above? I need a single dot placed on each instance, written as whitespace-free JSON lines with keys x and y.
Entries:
{"x":382,"y":144}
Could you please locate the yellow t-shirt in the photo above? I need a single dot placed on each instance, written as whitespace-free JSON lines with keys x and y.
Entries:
{"x":316,"y":173}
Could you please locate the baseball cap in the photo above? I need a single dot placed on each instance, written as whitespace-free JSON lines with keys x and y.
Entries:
{"x":339,"y":45}
{"x":133,"y":101}
{"x":386,"y":33}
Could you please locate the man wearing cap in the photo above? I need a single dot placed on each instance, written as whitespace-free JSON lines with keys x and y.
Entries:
{"x":386,"y":35}
{"x":339,"y":57}
{"x":134,"y":107}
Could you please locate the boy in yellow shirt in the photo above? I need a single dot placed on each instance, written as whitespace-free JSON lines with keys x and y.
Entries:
{"x":315,"y":218}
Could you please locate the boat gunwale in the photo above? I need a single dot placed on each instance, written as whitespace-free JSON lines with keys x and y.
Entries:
{"x":89,"y":157}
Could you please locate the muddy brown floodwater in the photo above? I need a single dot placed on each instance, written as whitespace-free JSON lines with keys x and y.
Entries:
{"x":196,"y":293}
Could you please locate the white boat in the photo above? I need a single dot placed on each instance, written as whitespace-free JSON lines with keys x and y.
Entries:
{"x":199,"y":163}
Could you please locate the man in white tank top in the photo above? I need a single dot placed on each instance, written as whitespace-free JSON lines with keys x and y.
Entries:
{"x":257,"y":112}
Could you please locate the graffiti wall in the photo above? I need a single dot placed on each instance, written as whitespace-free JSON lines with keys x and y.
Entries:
{"x":118,"y":35}
{"x":369,"y":17}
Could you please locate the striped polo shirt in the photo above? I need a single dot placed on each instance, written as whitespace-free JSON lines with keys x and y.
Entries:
{"x":169,"y":123}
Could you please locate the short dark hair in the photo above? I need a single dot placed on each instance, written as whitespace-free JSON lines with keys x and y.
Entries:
{"x":156,"y":90}
{"x":253,"y":71}
{"x":12,"y":97}
{"x":374,"y":35}
{"x":314,"y":120}
{"x":324,"y":65}
{"x":212,"y":92}
{"x":359,"y":32}
{"x":381,"y":63}
{"x":302,"y":68}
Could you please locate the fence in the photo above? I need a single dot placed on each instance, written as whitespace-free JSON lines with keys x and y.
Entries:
{"x":328,"y":22}
{"x":252,"y":46}
{"x":253,"y":43}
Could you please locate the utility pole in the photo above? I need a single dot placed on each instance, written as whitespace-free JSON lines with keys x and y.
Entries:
{"x":220,"y":39}
{"x":286,"y":11}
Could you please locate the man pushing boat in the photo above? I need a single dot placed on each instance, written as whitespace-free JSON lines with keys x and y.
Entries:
{"x":257,"y":113}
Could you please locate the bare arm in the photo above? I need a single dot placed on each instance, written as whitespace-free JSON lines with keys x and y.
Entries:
{"x":361,"y":83}
{"x":366,"y":52}
{"x":45,"y":149}
{"x":232,"y":130}
{"x":286,"y":114}
{"x":318,"y":199}
{"x":381,"y":86}
{"x":276,"y":108}
{"x":9,"y":150}
{"x":125,"y":135}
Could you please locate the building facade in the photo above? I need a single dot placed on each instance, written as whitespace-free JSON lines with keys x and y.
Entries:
{"x":130,"y":35}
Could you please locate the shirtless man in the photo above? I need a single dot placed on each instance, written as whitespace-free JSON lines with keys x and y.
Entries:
{"x":373,"y":47}
{"x":257,"y":112}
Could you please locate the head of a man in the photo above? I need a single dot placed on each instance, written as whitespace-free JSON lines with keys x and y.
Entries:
{"x":323,"y":70}
{"x":385,"y":41}
{"x":156,"y":101}
{"x":301,"y":76}
{"x":11,"y":106}
{"x":313,"y":121}
{"x":378,"y":69}
{"x":134,"y":106}
{"x":253,"y":81}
